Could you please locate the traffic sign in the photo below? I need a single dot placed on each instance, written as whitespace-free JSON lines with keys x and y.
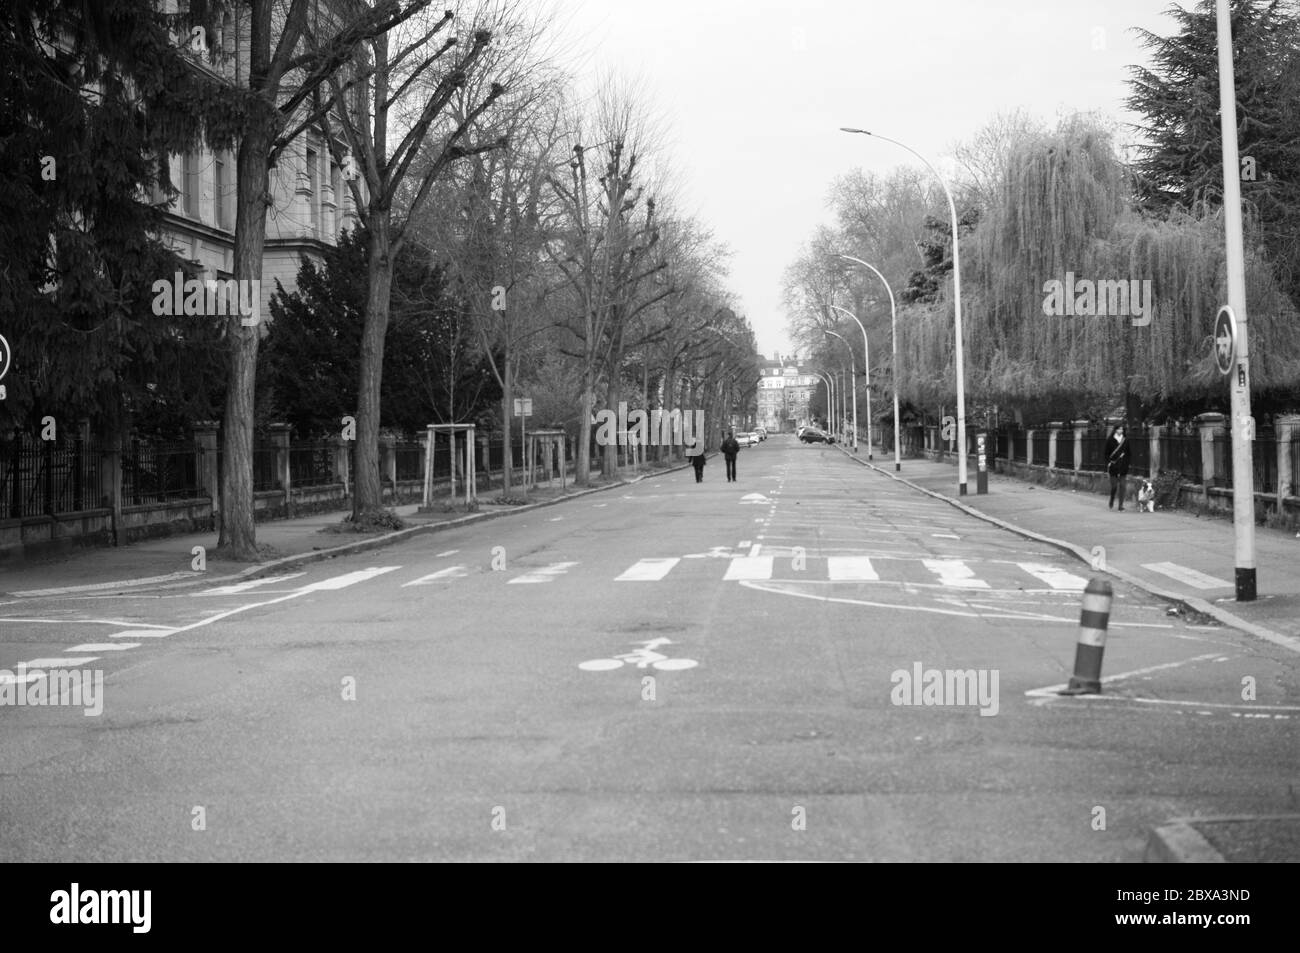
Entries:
{"x":523,"y":406}
{"x":1225,"y":339}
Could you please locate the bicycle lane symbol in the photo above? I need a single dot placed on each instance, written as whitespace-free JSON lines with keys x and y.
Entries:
{"x":644,"y":657}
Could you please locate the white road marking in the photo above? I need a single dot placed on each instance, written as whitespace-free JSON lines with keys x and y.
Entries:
{"x":146,"y":625}
{"x":1054,"y":577}
{"x":245,"y":586}
{"x":955,"y":573}
{"x":545,"y":574}
{"x":348,"y":579}
{"x":59,"y":662}
{"x":104,"y":647}
{"x":451,"y":572}
{"x":446,"y":552}
{"x":647,"y":570}
{"x":121,"y":584}
{"x":1054,"y":689}
{"x":146,"y":634}
{"x":749,"y":567}
{"x":944,"y":536}
{"x":850,"y":568}
{"x":1189,"y":577}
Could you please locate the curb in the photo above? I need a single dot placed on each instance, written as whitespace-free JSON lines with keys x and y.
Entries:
{"x":377,"y":542}
{"x":1193,"y":603}
{"x":1179,"y":843}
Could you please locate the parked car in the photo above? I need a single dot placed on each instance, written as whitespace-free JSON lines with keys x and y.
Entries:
{"x":813,"y":435}
{"x":762,"y":433}
{"x":746,"y":439}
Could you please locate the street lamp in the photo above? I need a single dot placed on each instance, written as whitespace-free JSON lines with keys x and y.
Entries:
{"x":866,"y":353}
{"x":830,"y":397}
{"x":853,"y":377}
{"x":893,"y":330}
{"x":956,"y":289}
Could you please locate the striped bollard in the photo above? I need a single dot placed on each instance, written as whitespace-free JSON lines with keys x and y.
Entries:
{"x":1093,"y":619}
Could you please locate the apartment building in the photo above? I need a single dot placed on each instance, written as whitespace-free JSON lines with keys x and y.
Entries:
{"x":785,"y":390}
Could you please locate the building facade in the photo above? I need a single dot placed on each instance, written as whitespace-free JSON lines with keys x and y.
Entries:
{"x":785,"y":391}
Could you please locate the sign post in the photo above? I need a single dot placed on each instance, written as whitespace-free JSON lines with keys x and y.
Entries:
{"x":524,"y":410}
{"x":1243,"y":472}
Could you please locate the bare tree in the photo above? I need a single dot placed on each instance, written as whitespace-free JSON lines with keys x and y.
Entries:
{"x":284,"y":73}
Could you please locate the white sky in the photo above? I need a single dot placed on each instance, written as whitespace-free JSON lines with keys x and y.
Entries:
{"x":752,"y":94}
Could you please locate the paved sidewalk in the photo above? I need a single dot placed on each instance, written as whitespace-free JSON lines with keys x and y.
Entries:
{"x":168,"y":560}
{"x":1172,"y":554}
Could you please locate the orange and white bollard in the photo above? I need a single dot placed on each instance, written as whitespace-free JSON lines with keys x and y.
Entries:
{"x":1093,"y":619}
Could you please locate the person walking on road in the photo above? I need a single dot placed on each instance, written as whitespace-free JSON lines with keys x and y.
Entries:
{"x":696,"y":453}
{"x":1117,"y":453}
{"x":730,"y":447}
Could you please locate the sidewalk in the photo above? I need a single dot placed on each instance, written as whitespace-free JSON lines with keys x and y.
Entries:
{"x":168,"y":561}
{"x":1195,"y":554}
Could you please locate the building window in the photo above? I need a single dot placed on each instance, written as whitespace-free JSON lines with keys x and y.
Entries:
{"x":313,"y":183}
{"x":190,"y":185}
{"x":220,"y":190}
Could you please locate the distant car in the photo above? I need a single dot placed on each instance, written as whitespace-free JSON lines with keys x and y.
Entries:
{"x":813,"y":435}
{"x":762,"y":433}
{"x":746,"y":439}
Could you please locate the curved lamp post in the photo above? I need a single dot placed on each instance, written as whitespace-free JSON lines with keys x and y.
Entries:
{"x":893,"y":329}
{"x":866,"y":349}
{"x":956,"y":287}
{"x":830,"y":394}
{"x":853,"y":378}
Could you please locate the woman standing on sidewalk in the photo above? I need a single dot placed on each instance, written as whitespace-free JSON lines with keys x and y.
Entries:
{"x":1117,"y":450}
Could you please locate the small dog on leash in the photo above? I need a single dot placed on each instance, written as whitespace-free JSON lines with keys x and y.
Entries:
{"x":1147,"y":498}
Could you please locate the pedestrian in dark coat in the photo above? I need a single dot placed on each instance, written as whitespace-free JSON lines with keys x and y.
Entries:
{"x":730,"y":447}
{"x":1117,"y":454}
{"x":696,"y":454}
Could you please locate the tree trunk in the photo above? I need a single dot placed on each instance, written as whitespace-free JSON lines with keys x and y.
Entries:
{"x":507,"y":411}
{"x":368,"y":491}
{"x":583,"y":455}
{"x":237,"y":505}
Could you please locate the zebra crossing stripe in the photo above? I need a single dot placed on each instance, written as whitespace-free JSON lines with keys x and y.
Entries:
{"x":647,"y":570}
{"x":245,"y":586}
{"x":749,"y":567}
{"x":1189,"y":577}
{"x":955,"y":573}
{"x":546,"y":574}
{"x":850,"y":569}
{"x":348,"y":579}
{"x":451,"y":572}
{"x":104,"y":647}
{"x":1056,"y":578}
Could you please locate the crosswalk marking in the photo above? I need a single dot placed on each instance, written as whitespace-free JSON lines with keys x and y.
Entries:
{"x":955,"y":573}
{"x":1190,"y":577}
{"x":647,"y":570}
{"x":749,"y":567}
{"x":846,"y":568}
{"x":451,"y":572}
{"x":104,"y":647}
{"x":348,"y":579}
{"x":245,"y":586}
{"x":60,"y":662}
{"x":1056,"y":578}
{"x":546,"y":574}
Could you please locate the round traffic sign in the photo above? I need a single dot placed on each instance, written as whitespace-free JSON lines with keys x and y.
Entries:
{"x":1225,"y":339}
{"x":4,"y":357}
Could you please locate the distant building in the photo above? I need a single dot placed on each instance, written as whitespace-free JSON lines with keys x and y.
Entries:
{"x":785,"y":391}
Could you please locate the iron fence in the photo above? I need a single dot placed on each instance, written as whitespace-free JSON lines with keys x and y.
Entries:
{"x":160,"y":473}
{"x":1065,"y":449}
{"x":1181,"y":454}
{"x":311,"y":465}
{"x":49,"y":476}
{"x":1093,"y":446}
{"x":1139,"y":460}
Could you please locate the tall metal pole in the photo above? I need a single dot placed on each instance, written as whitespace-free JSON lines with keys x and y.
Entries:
{"x":853,"y":373}
{"x":1243,"y":481}
{"x":830,"y":398}
{"x":956,"y":294}
{"x":893,"y":333}
{"x":866,"y":355}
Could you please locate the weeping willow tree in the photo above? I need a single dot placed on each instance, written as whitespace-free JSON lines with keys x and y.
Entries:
{"x":1063,"y":208}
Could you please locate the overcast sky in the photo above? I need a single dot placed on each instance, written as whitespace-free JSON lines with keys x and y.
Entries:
{"x":752,"y":94}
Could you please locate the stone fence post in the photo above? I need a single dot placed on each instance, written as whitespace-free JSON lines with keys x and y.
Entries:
{"x":1210,"y":426}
